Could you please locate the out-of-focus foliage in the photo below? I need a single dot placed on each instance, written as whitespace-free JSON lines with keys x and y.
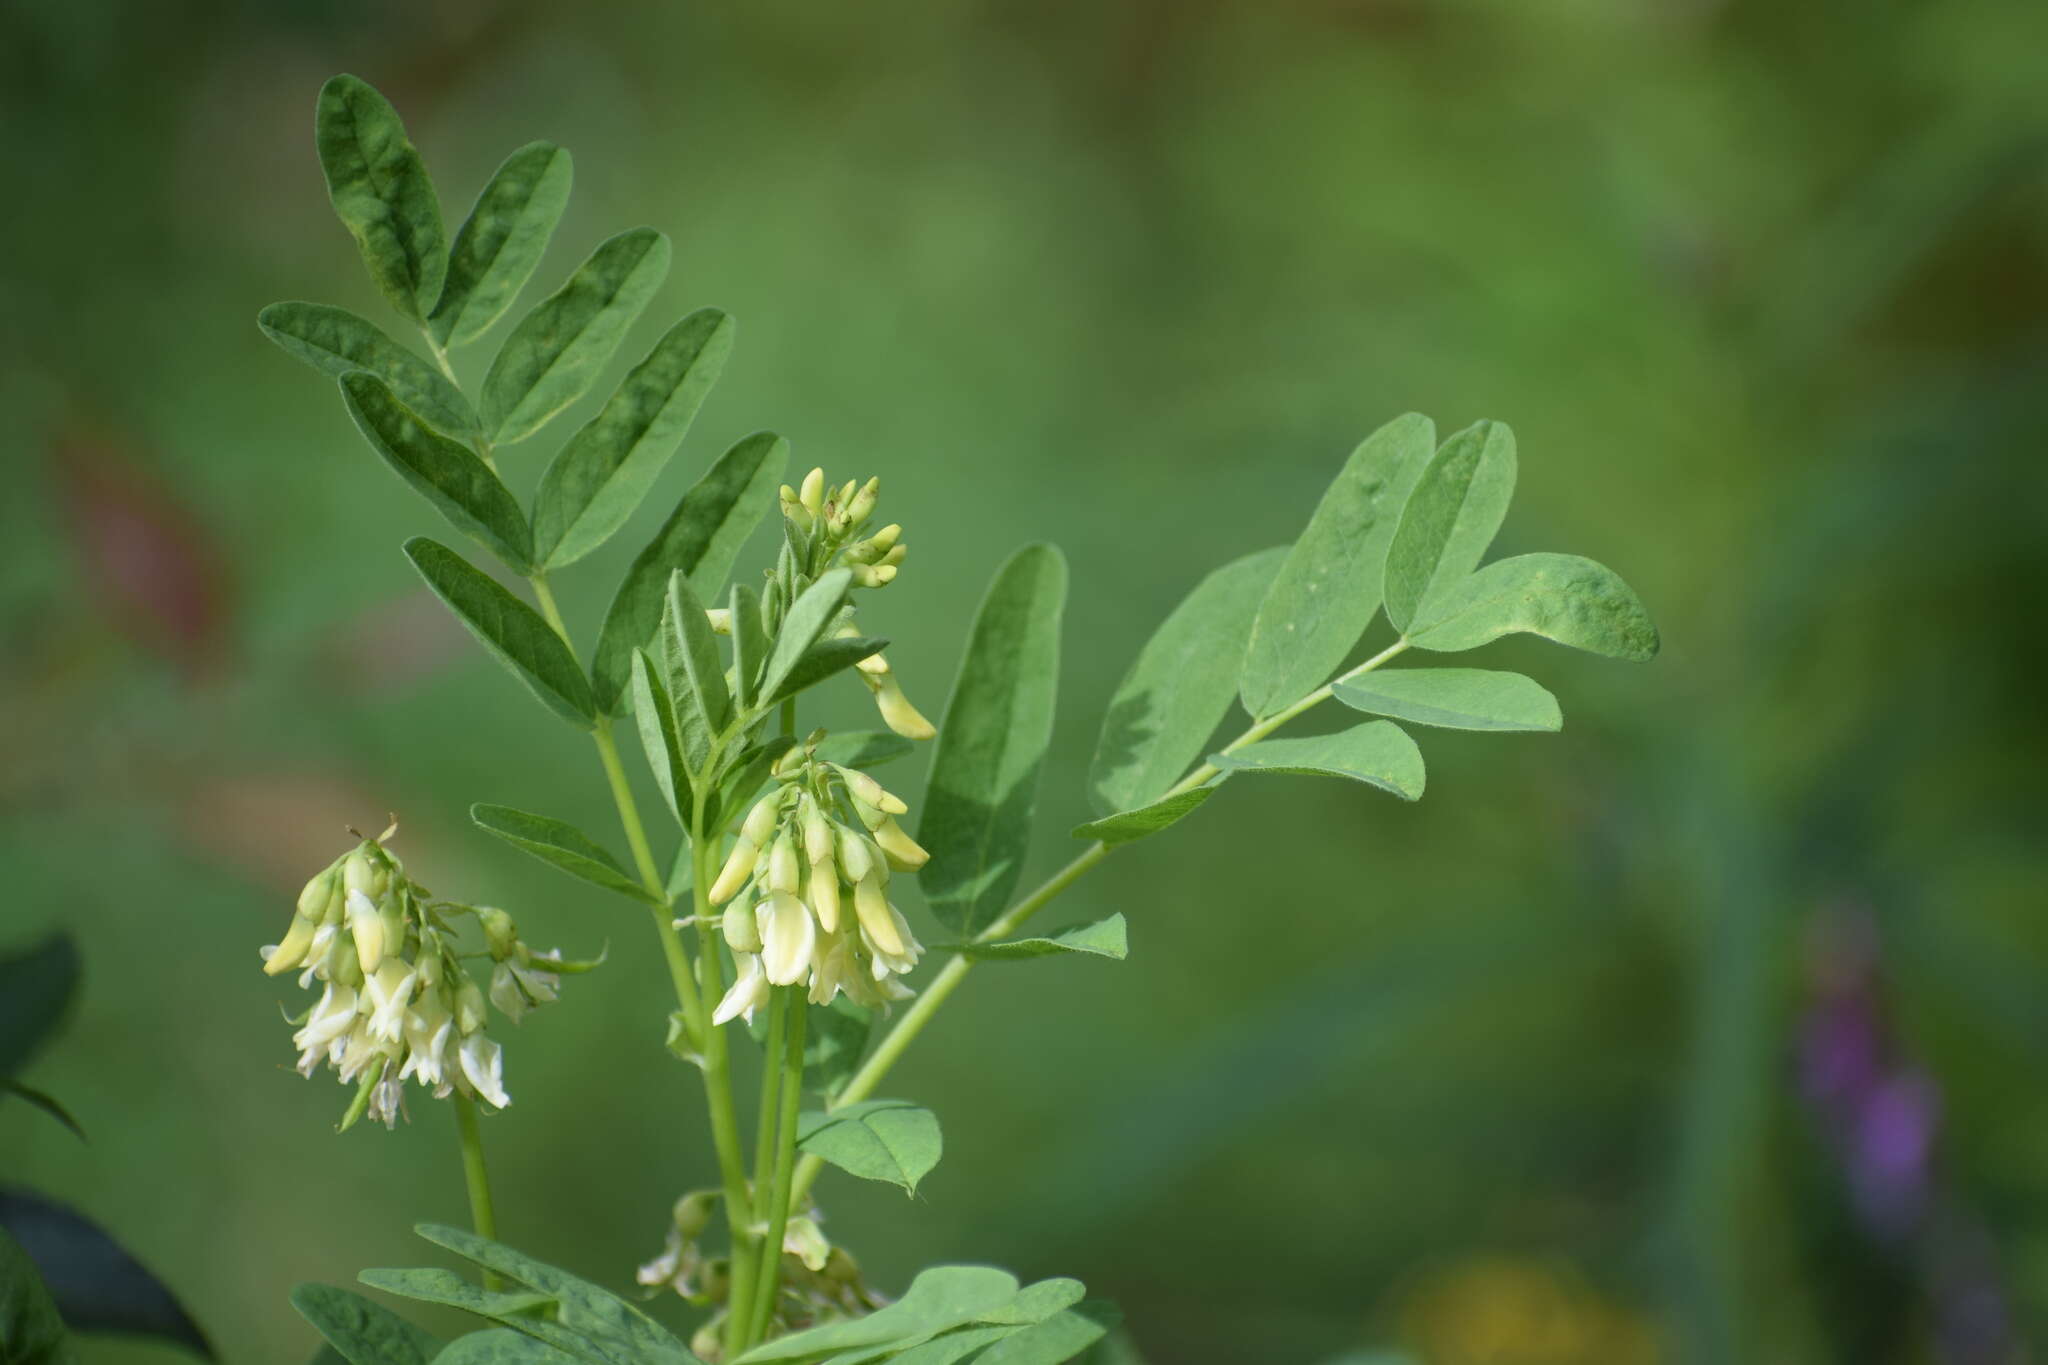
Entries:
{"x":1763,"y":291}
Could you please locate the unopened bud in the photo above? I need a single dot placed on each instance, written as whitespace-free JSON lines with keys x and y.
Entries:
{"x":761,"y":819}
{"x":812,"y":495}
{"x":783,"y":872}
{"x":469,"y":1008}
{"x":693,"y":1213}
{"x":742,"y":934}
{"x":862,"y":505}
{"x":366,"y":928}
{"x":802,"y":1239}
{"x":739,"y":866}
{"x":319,"y":894}
{"x":864,"y":788}
{"x":883,"y":575}
{"x":501,"y":935}
{"x":902,"y":850}
{"x":822,"y":891}
{"x":794,"y":511}
{"x":788,"y":934}
{"x":856,"y":855}
{"x":361,"y":872}
{"x":291,"y":953}
{"x":720,"y":619}
{"x":897,"y":712}
{"x":872,"y":905}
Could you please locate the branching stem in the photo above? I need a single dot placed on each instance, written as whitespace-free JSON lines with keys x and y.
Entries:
{"x":942,"y":986}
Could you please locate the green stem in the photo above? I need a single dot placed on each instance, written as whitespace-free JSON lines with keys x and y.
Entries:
{"x":942,"y":986}
{"x":771,"y":1088}
{"x":725,"y":1127}
{"x":481,"y":1215}
{"x":783,"y":1184}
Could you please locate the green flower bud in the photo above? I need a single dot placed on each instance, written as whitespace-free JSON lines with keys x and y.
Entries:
{"x":501,"y":935}
{"x":320,"y":894}
{"x":903,"y":851}
{"x":861,"y":505}
{"x":469,"y":1008}
{"x":872,"y":905}
{"x":291,"y":953}
{"x":693,"y":1213}
{"x":812,"y":495}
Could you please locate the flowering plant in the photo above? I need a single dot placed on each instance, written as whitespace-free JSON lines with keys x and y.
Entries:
{"x":781,"y":916}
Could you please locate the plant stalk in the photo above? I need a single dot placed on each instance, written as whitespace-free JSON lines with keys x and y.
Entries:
{"x":942,"y":986}
{"x":482,"y":1217}
{"x":782,"y":1185}
{"x":725,"y":1127}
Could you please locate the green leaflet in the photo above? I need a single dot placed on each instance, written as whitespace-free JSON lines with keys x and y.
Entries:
{"x":701,"y":538}
{"x":620,"y":1332}
{"x":500,"y":243}
{"x":654,"y":713}
{"x":691,"y":657}
{"x":31,"y":1331}
{"x":450,"y":1290}
{"x":984,"y":778}
{"x":1451,"y":517}
{"x":1453,"y":698}
{"x":596,"y":483}
{"x":501,"y":1346}
{"x":823,"y":660}
{"x":1378,"y":752}
{"x":448,"y":474}
{"x":365,"y":1333}
{"x":1559,"y":597}
{"x":93,"y":1282}
{"x":563,"y":845}
{"x":813,"y":610}
{"x":36,"y":987}
{"x":1179,"y":687}
{"x":556,"y":352}
{"x":749,"y":641}
{"x":939,"y":1298}
{"x":381,"y":193}
{"x":1104,"y":938}
{"x":334,"y":341}
{"x":1128,"y":826}
{"x":1058,"y":1338}
{"x":1328,"y":588}
{"x":513,"y":632}
{"x":892,"y":1141}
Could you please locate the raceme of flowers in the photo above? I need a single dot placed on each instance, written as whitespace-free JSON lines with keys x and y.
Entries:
{"x":396,"y":1003}
{"x":806,"y":891}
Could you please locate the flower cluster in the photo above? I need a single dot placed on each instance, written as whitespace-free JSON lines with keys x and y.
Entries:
{"x":807,"y":881}
{"x":824,"y":528}
{"x":395,"y":1003}
{"x":819,"y":1282}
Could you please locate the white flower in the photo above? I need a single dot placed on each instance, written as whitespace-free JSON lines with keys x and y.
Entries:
{"x":387,"y":1097}
{"x":389,"y":988}
{"x":327,"y":1021}
{"x":749,"y":991}
{"x":788,"y":936}
{"x":427,"y":1031}
{"x":320,"y":955}
{"x":483,"y":1066}
{"x":879,"y":921}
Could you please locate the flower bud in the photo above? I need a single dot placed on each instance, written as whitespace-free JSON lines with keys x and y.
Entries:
{"x":822,"y":891}
{"x":884,"y":540}
{"x":802,"y":1239}
{"x":501,"y":935}
{"x":864,"y":788}
{"x":817,"y":830}
{"x":320,"y":893}
{"x":292,"y":951}
{"x":742,"y":935}
{"x":361,"y":872}
{"x":469,"y":1008}
{"x":812,"y":495}
{"x":902,"y":850}
{"x":693,"y":1213}
{"x":882,"y":575}
{"x":897,"y":712}
{"x":793,"y":510}
{"x":861,"y":505}
{"x":856,"y":855}
{"x":783,"y":872}
{"x":893,"y":557}
{"x":739,"y":866}
{"x":876,"y":917}
{"x":366,"y":928}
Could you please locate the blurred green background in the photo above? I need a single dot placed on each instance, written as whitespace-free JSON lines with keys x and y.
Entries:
{"x":1711,"y":1030}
